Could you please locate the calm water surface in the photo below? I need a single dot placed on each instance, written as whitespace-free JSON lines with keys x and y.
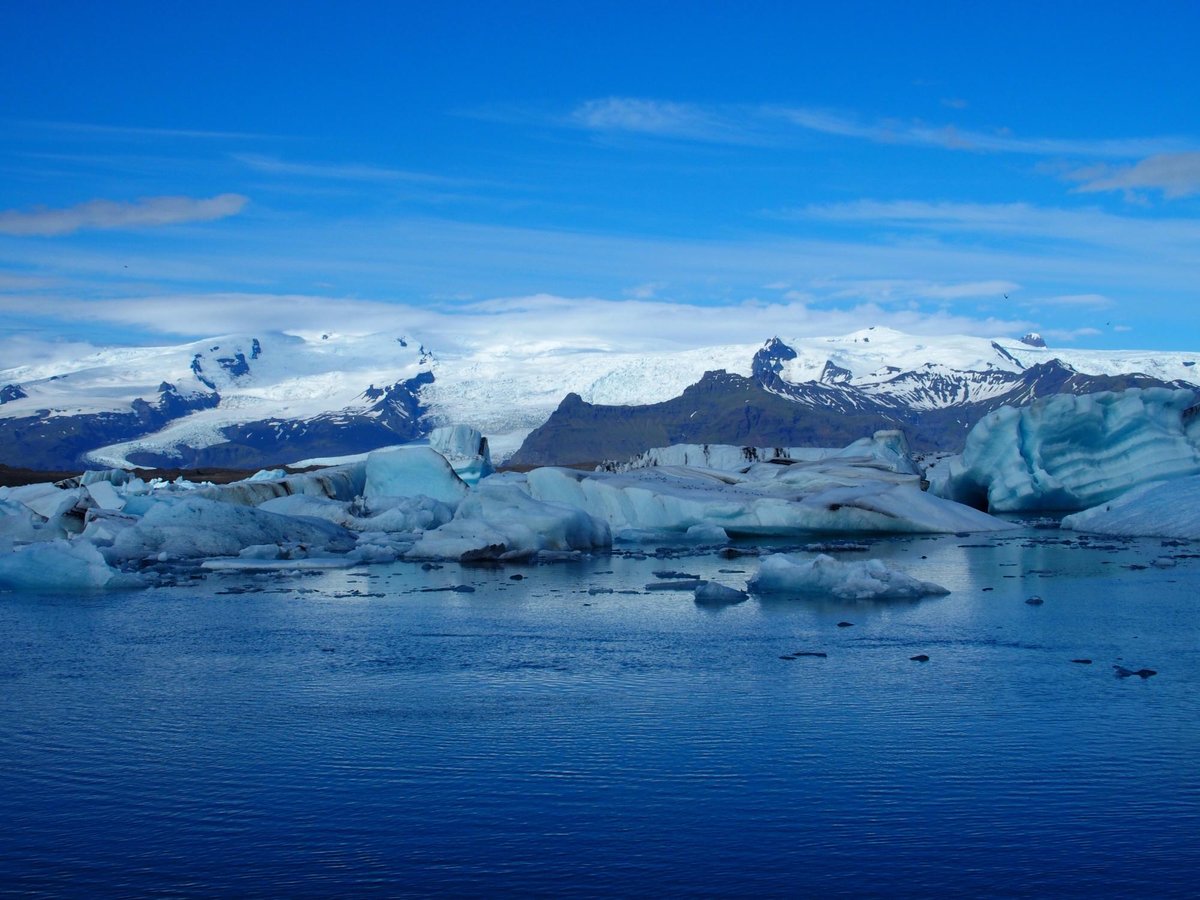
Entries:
{"x":350,"y":733}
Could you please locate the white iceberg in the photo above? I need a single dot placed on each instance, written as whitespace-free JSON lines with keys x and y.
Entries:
{"x":500,"y":520}
{"x":823,"y":575}
{"x":1165,"y":509}
{"x":1073,"y":452}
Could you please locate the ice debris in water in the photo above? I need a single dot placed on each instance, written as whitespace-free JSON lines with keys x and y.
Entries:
{"x":824,"y":575}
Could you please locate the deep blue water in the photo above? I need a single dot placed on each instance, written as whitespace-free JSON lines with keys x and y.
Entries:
{"x":346,"y":733}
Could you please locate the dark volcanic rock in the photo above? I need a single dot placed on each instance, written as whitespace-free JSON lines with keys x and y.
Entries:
{"x":766,"y":411}
{"x":719,"y":408}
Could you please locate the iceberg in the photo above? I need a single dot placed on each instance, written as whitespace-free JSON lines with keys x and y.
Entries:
{"x":1072,"y":452}
{"x":412,"y":472}
{"x":834,"y":496}
{"x":465,"y":449}
{"x":198,"y":527}
{"x":500,"y":520}
{"x":1165,"y":509}
{"x":825,"y":576}
{"x":888,"y":448}
{"x":61,"y":566}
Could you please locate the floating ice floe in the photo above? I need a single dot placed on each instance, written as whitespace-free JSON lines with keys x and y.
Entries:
{"x":716,"y":594}
{"x":823,"y":575}
{"x":1166,"y":509}
{"x":1073,"y":452}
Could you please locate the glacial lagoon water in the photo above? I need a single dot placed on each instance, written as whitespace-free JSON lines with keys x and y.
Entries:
{"x":570,"y":733}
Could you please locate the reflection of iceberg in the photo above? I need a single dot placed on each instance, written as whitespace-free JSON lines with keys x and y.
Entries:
{"x":825,"y":576}
{"x":1069,"y":452}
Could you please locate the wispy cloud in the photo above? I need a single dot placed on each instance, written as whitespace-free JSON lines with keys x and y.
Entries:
{"x":952,"y":137}
{"x":85,"y":129}
{"x":110,"y":214}
{"x":1159,"y":236}
{"x":333,"y":171}
{"x":661,"y":118}
{"x":754,"y":123}
{"x":1174,"y":174}
{"x":894,"y":290}
{"x":1083,"y":301}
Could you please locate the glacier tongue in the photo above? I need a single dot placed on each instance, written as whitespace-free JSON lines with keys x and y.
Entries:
{"x":1072,"y":452}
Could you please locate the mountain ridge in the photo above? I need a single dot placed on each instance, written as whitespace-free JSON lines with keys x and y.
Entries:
{"x":257,"y":400}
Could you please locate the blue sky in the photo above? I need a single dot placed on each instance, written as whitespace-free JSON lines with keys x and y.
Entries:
{"x":470,"y":169}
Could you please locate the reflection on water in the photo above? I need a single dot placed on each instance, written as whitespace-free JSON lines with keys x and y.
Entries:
{"x":570,"y":732}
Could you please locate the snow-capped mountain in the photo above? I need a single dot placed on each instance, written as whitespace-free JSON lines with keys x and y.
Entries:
{"x":249,"y":401}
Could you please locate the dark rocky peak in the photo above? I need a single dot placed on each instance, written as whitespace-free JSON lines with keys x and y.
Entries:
{"x":1033,"y":339}
{"x":11,"y":392}
{"x":1006,"y":355}
{"x":832,"y":374}
{"x":235,"y":365}
{"x":198,"y":371}
{"x":768,"y":361}
{"x":255,"y":348}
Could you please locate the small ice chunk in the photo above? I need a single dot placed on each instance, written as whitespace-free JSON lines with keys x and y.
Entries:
{"x":104,"y":495}
{"x":716,"y":593}
{"x":872,"y":579}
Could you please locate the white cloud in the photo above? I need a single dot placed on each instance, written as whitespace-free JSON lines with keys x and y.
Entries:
{"x":1175,"y":174}
{"x":110,"y":214}
{"x":501,"y":325}
{"x":894,"y":290}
